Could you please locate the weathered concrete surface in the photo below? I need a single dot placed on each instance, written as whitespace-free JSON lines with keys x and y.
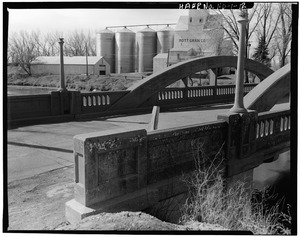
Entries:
{"x":146,"y":88}
{"x":267,"y":93}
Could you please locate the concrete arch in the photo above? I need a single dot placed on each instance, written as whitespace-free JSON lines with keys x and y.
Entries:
{"x":267,"y":93}
{"x":144,"y":89}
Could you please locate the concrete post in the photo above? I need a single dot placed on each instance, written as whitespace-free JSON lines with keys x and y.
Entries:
{"x":212,"y":76}
{"x":154,"y":118}
{"x":62,"y":73}
{"x":238,"y":106}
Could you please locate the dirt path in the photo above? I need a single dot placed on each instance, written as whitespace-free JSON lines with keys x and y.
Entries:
{"x":38,"y":203}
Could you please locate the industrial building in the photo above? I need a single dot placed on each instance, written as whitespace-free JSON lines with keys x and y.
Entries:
{"x":197,"y":35}
{"x":72,"y":65}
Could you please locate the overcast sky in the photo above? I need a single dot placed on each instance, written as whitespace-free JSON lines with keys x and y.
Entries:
{"x":68,"y":20}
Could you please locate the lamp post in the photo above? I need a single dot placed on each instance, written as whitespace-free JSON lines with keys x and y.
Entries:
{"x":238,"y":106}
{"x":62,"y":73}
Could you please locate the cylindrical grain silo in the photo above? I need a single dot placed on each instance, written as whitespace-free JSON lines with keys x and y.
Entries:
{"x":124,"y":50}
{"x":106,"y":47}
{"x":165,"y":39}
{"x":146,"y":43}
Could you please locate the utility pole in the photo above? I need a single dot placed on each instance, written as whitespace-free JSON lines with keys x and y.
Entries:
{"x":86,"y":60}
{"x":238,"y":106}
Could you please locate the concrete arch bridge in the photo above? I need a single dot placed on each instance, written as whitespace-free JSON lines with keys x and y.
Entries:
{"x":152,"y":90}
{"x":147,"y":166}
{"x":141,"y":97}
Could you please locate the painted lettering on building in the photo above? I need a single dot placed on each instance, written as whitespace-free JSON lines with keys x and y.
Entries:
{"x":192,"y":40}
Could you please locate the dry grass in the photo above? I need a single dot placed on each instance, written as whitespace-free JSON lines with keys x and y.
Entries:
{"x":234,"y":206}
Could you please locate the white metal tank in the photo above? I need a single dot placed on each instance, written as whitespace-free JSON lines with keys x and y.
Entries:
{"x":124,"y":51}
{"x":165,"y":39}
{"x":146,"y":43}
{"x":106,"y":46}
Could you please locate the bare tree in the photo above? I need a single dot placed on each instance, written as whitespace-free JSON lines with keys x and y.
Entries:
{"x":231,"y":27}
{"x":268,"y":26}
{"x":91,"y":44}
{"x":52,"y":43}
{"x":76,"y":43}
{"x":265,"y":31}
{"x":24,"y":49}
{"x":284,"y":32}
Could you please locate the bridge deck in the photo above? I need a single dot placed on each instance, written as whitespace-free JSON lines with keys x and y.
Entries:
{"x":40,"y":148}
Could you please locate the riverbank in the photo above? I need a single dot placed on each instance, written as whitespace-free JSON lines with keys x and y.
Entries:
{"x":76,"y":82}
{"x":112,"y":82}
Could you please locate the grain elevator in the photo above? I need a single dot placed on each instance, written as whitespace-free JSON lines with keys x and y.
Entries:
{"x":198,"y":34}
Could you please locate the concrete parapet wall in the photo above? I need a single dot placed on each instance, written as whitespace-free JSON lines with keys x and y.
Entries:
{"x":28,"y":106}
{"x":133,"y":169}
{"x":142,"y":168}
{"x":173,"y":151}
{"x":32,"y":109}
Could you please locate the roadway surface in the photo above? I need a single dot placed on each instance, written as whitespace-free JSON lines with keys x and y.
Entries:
{"x":36,"y":149}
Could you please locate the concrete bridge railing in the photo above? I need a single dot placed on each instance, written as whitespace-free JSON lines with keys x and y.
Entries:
{"x":74,"y":104}
{"x":134,"y":169}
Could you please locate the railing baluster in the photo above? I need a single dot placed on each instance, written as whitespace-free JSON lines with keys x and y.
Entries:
{"x":262,"y":129}
{"x":271,"y":126}
{"x":281,"y":124}
{"x":84,"y":101}
{"x":285,"y":123}
{"x":267,"y":128}
{"x":89,"y":101}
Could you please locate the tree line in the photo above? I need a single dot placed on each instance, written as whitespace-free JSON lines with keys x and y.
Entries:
{"x":24,"y":47}
{"x":270,"y":25}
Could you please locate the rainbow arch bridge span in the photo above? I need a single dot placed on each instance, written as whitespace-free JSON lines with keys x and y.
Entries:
{"x":141,"y":97}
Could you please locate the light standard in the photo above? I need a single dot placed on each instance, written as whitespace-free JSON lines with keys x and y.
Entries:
{"x":248,"y":56}
{"x":62,"y":73}
{"x":238,"y":106}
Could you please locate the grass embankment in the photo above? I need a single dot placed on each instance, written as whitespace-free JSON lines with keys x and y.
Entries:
{"x":234,"y":206}
{"x":78,"y":82}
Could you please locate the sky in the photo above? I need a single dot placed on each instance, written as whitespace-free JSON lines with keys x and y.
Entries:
{"x":68,"y":20}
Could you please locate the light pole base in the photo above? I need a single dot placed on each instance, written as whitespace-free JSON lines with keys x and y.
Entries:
{"x":238,"y":110}
{"x":62,"y":89}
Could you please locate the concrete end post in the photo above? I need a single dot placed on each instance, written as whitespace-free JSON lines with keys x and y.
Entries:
{"x":110,"y":173}
{"x":75,"y":102}
{"x":55,"y":103}
{"x":64,"y":102}
{"x":240,"y":139}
